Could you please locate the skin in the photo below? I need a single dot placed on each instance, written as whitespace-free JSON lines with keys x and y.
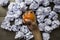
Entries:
{"x":30,"y":19}
{"x":36,"y":32}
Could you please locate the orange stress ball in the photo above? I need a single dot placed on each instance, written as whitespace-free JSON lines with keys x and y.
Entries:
{"x":29,"y":15}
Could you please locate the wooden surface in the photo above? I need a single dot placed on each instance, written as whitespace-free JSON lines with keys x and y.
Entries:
{"x":6,"y":35}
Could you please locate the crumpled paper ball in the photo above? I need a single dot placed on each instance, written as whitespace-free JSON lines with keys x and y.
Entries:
{"x":5,"y":24}
{"x":56,"y":8}
{"x":39,"y":1}
{"x":43,"y":11}
{"x":46,"y":36}
{"x":52,"y":14}
{"x":57,"y":2}
{"x":41,"y":26}
{"x":28,"y":2}
{"x":47,"y":21}
{"x":23,"y":6}
{"x":50,"y":0}
{"x":46,"y":11}
{"x":56,"y":22}
{"x":10,"y":7}
{"x":14,"y":10}
{"x":18,"y":1}
{"x":40,"y":18}
{"x":29,"y":35}
{"x":40,"y":10}
{"x":48,"y":29}
{"x":14,"y":15}
{"x":45,"y":3}
{"x":33,"y":6}
{"x":19,"y":34}
{"x":18,"y":21}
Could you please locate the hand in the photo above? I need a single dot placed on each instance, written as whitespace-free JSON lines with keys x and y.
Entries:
{"x":29,"y":18}
{"x":32,"y":26}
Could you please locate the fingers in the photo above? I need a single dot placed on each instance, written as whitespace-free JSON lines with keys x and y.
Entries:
{"x":33,"y":26}
{"x":28,"y":22}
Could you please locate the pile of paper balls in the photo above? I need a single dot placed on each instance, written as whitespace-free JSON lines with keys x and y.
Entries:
{"x":46,"y":17}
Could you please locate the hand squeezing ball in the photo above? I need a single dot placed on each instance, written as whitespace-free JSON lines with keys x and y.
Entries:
{"x":30,"y":18}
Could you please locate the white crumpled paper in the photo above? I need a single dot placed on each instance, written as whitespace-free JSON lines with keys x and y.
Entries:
{"x":46,"y":18}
